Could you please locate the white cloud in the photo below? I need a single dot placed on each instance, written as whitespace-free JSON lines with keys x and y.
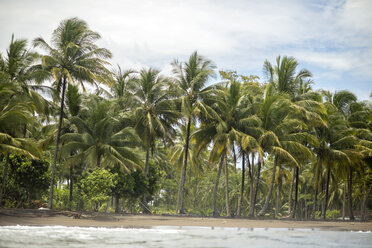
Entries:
{"x":332,"y":35}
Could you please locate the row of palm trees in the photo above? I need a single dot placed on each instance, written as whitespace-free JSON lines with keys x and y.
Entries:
{"x":279,"y":125}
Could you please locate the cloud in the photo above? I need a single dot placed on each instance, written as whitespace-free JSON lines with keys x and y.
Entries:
{"x":329,"y":37}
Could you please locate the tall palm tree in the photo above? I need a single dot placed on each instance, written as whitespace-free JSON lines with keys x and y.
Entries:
{"x":72,"y":57}
{"x":154,"y":112}
{"x":233,"y":127}
{"x":283,"y":136}
{"x":191,"y":78}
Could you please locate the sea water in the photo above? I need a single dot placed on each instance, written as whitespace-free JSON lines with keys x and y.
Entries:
{"x":60,"y":236}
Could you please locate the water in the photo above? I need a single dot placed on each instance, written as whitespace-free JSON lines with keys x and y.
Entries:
{"x":59,"y":236}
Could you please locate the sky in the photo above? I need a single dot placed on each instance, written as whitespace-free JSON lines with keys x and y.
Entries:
{"x":332,"y":39}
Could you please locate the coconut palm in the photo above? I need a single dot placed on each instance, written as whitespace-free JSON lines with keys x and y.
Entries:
{"x":233,"y":127}
{"x":283,"y":75}
{"x":153,"y":111}
{"x":191,"y":79}
{"x":100,"y":141}
{"x":14,"y":114}
{"x":72,"y":57}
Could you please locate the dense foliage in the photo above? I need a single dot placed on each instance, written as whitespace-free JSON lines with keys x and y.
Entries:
{"x":146,"y":142}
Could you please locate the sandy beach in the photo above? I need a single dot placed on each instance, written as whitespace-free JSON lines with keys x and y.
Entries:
{"x":66,"y":218}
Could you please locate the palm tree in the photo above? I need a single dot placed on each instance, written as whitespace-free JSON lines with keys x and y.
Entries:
{"x":283,"y":136}
{"x":100,"y":140}
{"x":72,"y":57}
{"x":191,"y":78}
{"x":14,"y":114}
{"x":121,"y":89}
{"x":18,"y":102}
{"x":153,"y":113}
{"x":227,"y":131}
{"x":284,"y":76}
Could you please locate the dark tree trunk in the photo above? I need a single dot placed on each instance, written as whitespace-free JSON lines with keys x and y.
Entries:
{"x":263,"y":210}
{"x":52,"y":181}
{"x":327,"y":192}
{"x":344,"y":202}
{"x":240,"y":203}
{"x":234,"y":155}
{"x":117,"y":198}
{"x":145,"y":208}
{"x":5,"y":175}
{"x":350,"y":193}
{"x":250,"y":174}
{"x":291,"y":191}
{"x":278,"y":202}
{"x":252,"y":207}
{"x":183,"y":171}
{"x":215,"y":210}
{"x":293,"y":215}
{"x":227,"y":188}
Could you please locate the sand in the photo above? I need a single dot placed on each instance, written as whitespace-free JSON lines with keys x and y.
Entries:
{"x":66,"y":218}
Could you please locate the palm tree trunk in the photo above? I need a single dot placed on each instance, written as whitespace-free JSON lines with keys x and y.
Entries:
{"x":344,"y":202}
{"x":327,"y":192}
{"x":364,"y":204}
{"x":50,"y":203}
{"x":350,"y":192}
{"x":293,"y":215}
{"x":240,"y":203}
{"x":145,"y":208}
{"x":252,"y":207}
{"x":183,"y":171}
{"x":227,"y":188}
{"x":117,"y":198}
{"x":250,"y":174}
{"x":291,"y":191}
{"x":5,"y":175}
{"x":278,"y":203}
{"x":234,"y":154}
{"x":215,"y":210}
{"x":263,"y":210}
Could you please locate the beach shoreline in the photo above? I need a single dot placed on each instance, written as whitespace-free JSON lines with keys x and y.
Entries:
{"x":29,"y":217}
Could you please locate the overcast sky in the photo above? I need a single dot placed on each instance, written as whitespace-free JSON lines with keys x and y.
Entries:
{"x":332,"y":39}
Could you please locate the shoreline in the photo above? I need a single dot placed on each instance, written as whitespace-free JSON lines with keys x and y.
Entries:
{"x":30,"y":217}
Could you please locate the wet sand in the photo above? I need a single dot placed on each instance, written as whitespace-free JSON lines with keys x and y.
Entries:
{"x":66,"y":218}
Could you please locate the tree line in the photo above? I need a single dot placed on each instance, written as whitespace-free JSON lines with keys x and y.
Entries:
{"x":142,"y":141}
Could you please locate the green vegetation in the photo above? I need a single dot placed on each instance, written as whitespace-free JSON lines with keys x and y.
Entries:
{"x":143,"y":142}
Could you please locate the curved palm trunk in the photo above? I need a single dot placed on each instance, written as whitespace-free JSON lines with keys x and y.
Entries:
{"x":263,"y":210}
{"x":350,"y":192}
{"x":183,"y":171}
{"x":293,"y":215}
{"x":5,"y":175}
{"x":327,"y":192}
{"x":227,"y":188}
{"x":240,"y":203}
{"x":145,"y":208}
{"x":52,"y":181}
{"x":215,"y":210}
{"x":252,"y":207}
